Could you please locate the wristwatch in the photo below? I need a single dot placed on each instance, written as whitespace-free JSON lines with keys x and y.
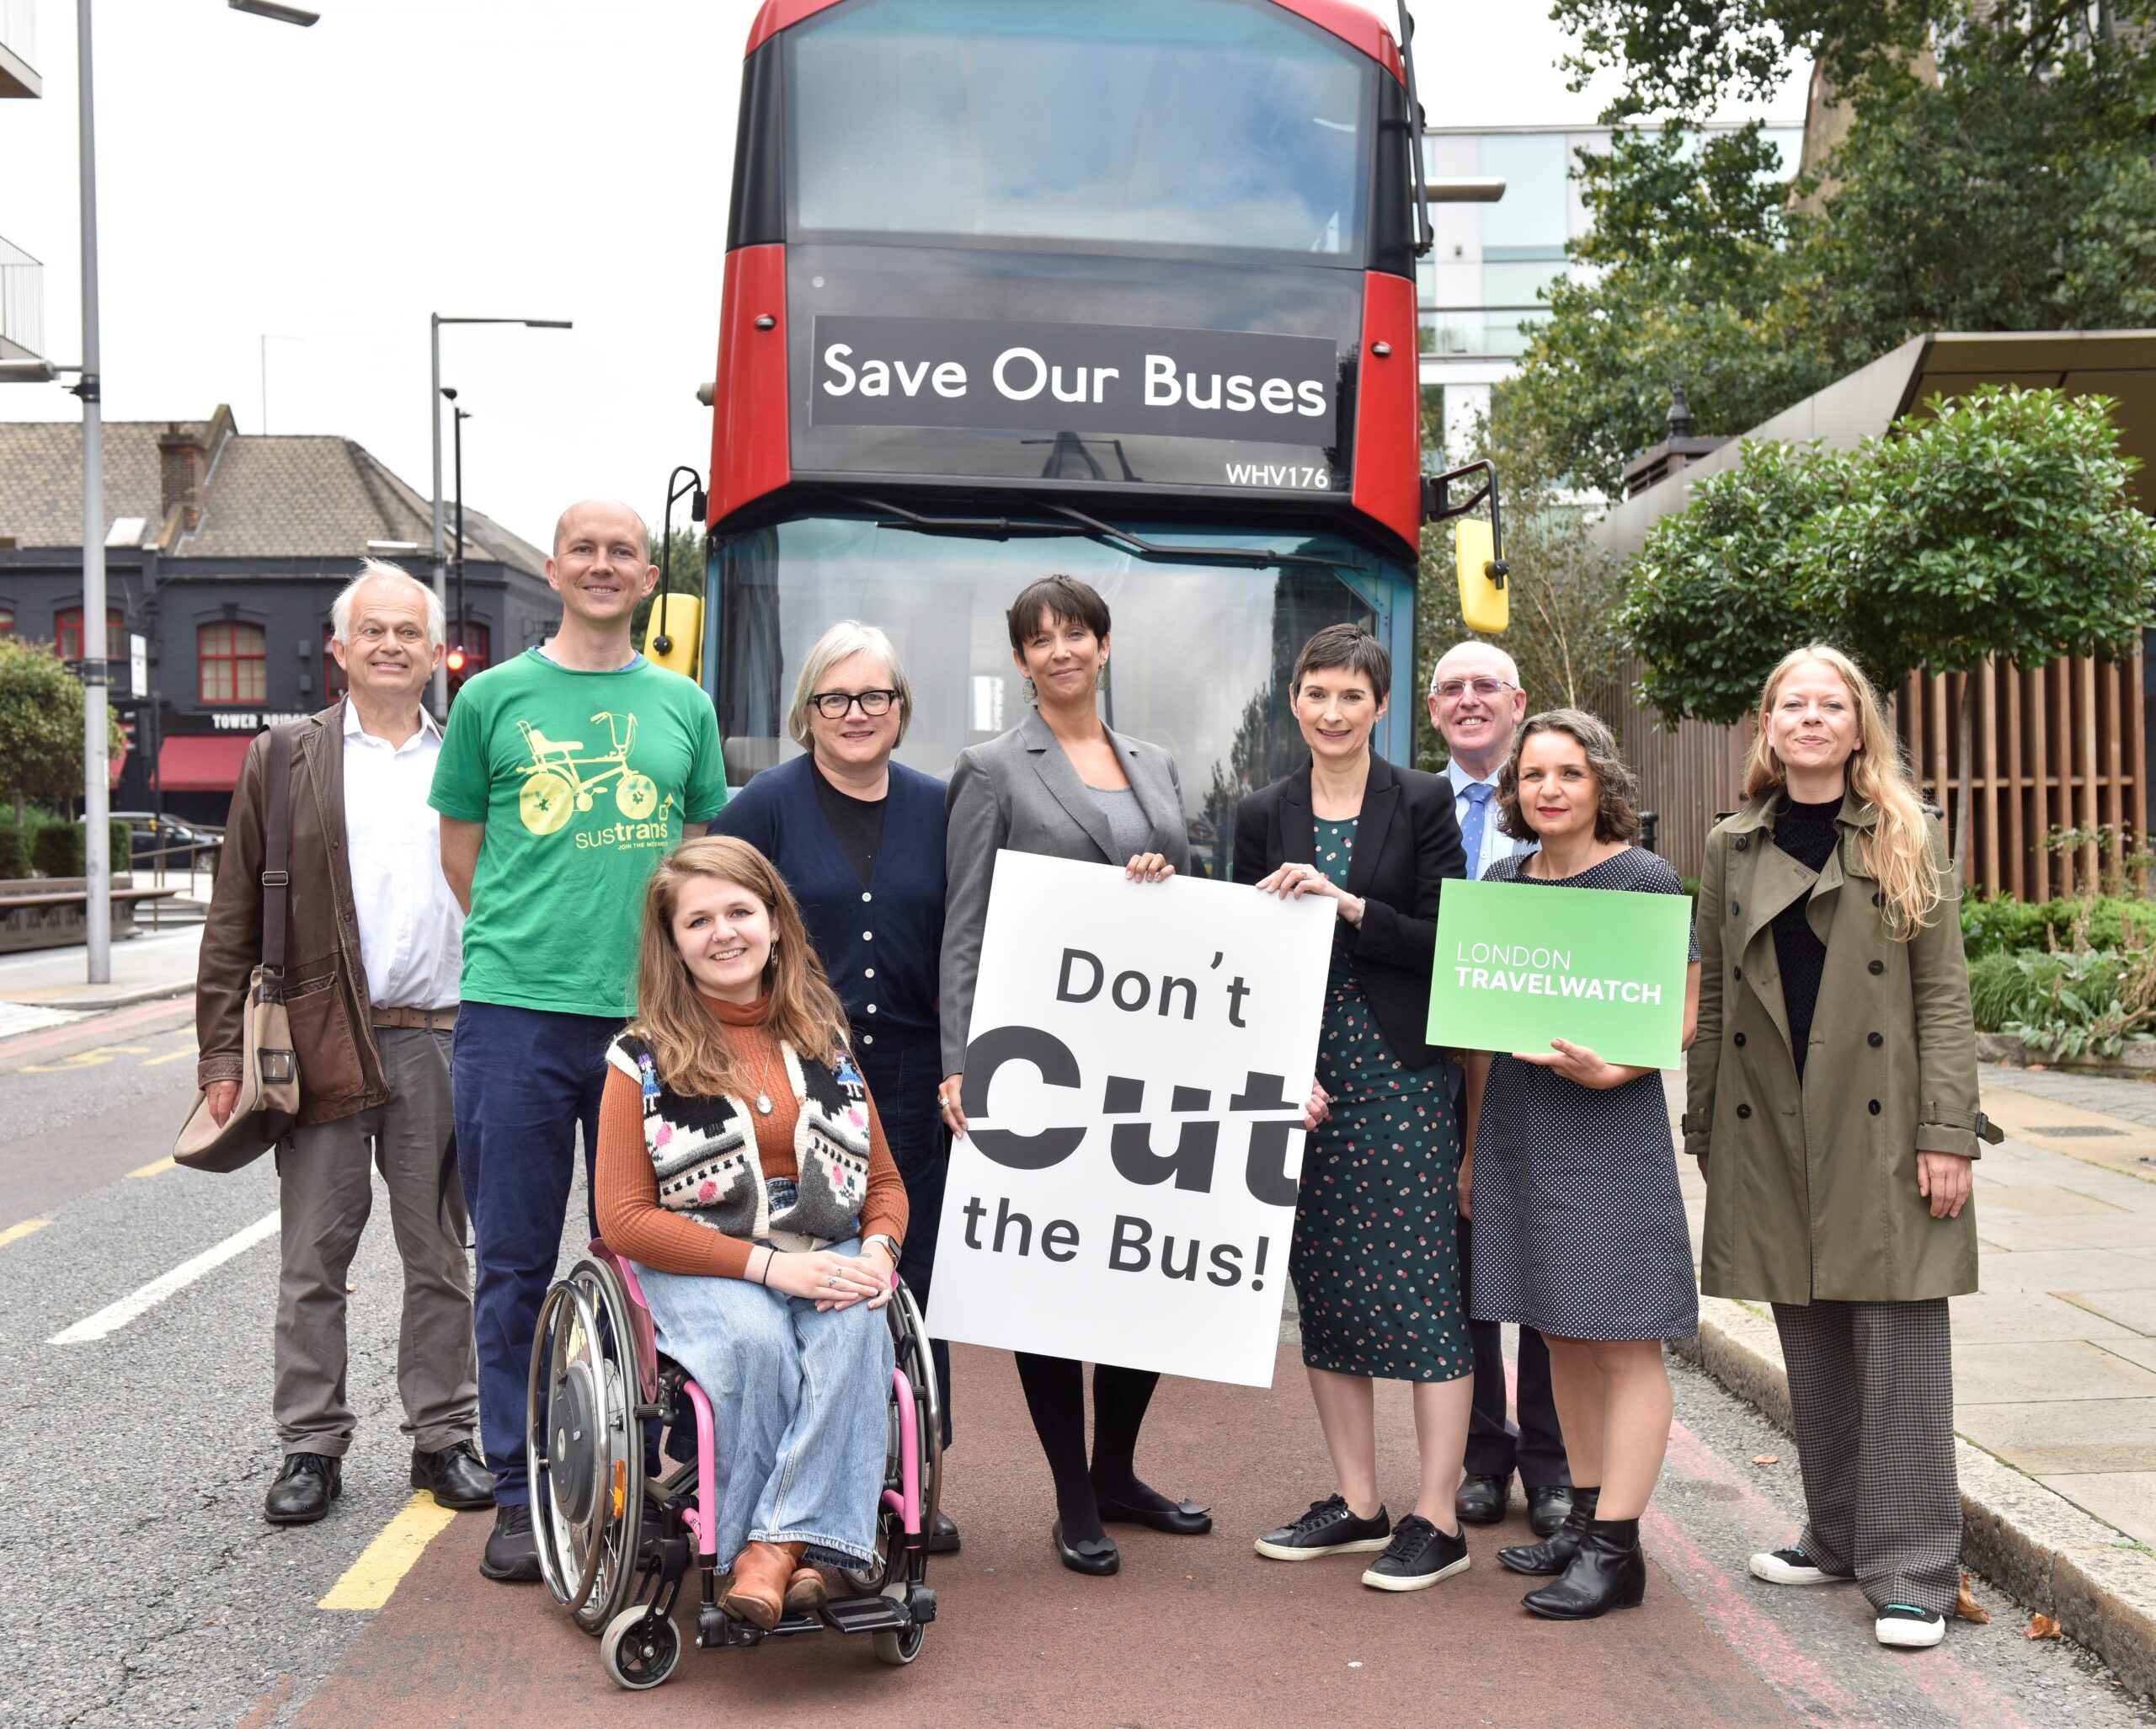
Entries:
{"x":889,"y":1242}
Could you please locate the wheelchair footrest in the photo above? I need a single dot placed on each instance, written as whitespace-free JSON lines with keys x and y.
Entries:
{"x":867,"y":1614}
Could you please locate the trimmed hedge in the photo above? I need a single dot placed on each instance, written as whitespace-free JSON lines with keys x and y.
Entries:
{"x":57,"y":848}
{"x":14,"y":849}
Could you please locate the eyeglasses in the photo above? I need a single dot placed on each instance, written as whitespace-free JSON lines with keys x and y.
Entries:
{"x":1452,"y":690}
{"x":833,"y":705}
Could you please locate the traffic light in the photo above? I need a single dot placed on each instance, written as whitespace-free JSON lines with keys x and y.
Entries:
{"x":456,"y":661}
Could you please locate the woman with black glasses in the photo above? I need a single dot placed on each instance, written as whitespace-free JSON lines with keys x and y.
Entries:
{"x":859,"y":839}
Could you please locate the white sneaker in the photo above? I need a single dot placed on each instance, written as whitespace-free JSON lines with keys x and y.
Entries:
{"x":1789,"y":1566}
{"x":1912,"y":1628}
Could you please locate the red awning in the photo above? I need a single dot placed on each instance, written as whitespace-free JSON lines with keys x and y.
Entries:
{"x":202,"y":764}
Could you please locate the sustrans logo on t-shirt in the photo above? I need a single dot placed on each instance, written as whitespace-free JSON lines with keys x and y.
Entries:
{"x":560,"y":782}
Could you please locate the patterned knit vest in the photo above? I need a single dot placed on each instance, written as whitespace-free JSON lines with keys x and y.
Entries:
{"x":710,"y":1169}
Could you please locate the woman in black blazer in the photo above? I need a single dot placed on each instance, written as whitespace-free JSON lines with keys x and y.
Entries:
{"x":1376,"y":1274}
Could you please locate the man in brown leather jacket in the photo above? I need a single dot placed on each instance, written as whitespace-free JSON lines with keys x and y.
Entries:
{"x":372,"y":948}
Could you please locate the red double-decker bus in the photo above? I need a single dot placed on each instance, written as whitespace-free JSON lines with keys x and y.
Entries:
{"x":1124,"y":290}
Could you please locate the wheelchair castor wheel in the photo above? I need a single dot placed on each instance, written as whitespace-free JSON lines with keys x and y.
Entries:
{"x":640,"y":1650}
{"x":899,"y":1649}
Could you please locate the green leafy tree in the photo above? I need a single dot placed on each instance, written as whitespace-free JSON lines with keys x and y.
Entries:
{"x":2001,"y":525}
{"x":1689,"y":57}
{"x":1992,"y":200}
{"x":1564,"y":588}
{"x":1996,"y":175}
{"x":1688,"y":275}
{"x":1715,"y":596}
{"x":1997,"y":526}
{"x":41,"y":727}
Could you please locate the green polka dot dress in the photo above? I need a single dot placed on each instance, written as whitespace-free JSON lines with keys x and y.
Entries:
{"x":1374,"y":1262}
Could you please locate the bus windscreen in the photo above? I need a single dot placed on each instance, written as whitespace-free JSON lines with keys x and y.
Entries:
{"x":1205,"y":124}
{"x":1201,"y":651}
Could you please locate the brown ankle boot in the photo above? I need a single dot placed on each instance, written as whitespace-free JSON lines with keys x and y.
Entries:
{"x":761,"y":1574}
{"x":806,"y":1592}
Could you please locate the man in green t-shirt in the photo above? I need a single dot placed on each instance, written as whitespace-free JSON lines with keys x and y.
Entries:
{"x":565,"y":776}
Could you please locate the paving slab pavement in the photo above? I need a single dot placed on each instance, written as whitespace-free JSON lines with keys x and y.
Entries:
{"x":158,"y":963}
{"x":2054,"y":1356}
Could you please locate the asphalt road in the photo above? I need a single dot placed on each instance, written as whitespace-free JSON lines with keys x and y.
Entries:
{"x":138,"y":1583}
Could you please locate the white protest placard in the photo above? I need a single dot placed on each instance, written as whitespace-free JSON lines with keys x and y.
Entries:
{"x":1135,"y":1074}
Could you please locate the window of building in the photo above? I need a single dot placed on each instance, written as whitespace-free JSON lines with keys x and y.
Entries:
{"x":473,"y":640}
{"x":67,"y":632}
{"x":234,"y":662}
{"x":7,"y":620}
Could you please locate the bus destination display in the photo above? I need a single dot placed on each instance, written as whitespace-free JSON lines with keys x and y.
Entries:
{"x":1245,"y":386}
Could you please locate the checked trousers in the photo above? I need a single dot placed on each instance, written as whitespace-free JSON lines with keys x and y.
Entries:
{"x":1872,"y":1393}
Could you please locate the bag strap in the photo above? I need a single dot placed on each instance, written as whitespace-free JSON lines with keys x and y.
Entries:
{"x":276,"y":880}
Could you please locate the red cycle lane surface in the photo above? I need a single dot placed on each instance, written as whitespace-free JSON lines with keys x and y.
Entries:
{"x":1193,"y":1630}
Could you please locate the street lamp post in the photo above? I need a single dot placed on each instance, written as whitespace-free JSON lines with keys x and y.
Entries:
{"x":456,"y":465}
{"x":97,"y":792}
{"x":434,"y":322}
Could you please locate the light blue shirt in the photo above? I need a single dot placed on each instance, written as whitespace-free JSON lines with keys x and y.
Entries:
{"x":1496,"y":843}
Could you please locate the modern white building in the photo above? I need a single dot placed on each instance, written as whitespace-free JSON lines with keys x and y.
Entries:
{"x":1490,"y":270}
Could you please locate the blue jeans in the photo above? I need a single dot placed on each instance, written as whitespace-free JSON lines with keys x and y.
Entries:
{"x":800,"y":1399}
{"x":903,"y":1082}
{"x":523,"y":1081}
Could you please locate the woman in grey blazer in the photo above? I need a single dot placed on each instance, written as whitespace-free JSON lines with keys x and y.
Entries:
{"x":1063,"y":785}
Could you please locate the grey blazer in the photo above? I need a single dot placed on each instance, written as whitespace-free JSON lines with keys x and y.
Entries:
{"x":1021,"y":792}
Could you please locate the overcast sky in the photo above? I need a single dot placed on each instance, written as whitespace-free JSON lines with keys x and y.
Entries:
{"x":537,"y":159}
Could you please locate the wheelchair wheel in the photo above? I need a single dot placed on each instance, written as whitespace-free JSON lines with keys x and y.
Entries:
{"x":899,"y":1649}
{"x":640,"y":1649}
{"x":888,"y":1573}
{"x":586,"y":1445}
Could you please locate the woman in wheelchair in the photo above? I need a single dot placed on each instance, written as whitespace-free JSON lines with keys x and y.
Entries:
{"x":742,"y":1168}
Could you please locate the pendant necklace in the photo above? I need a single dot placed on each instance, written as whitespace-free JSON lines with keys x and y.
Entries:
{"x":763,"y":1098}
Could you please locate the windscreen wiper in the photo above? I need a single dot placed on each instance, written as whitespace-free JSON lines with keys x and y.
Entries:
{"x":1078,"y":523}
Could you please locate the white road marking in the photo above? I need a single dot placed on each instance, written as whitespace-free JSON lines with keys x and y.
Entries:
{"x":115,"y":1315}
{"x":32,"y":1017}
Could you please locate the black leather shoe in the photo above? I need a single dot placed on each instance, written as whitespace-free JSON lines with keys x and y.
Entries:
{"x":1550,"y":1557}
{"x":455,"y":1475}
{"x":1604,"y":1575}
{"x":1185,"y":1518}
{"x":1548,"y":1506}
{"x":943,"y":1536}
{"x":512,"y":1554}
{"x":1480,"y":1500}
{"x":304,"y":1489}
{"x":1099,"y":1557}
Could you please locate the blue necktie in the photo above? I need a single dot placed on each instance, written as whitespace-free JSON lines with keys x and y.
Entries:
{"x":1478,"y":820}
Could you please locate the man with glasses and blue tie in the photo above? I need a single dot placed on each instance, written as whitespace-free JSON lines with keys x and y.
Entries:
{"x":1477,"y":704}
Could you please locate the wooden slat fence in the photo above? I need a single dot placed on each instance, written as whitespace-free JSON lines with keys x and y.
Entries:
{"x":2056,"y":747}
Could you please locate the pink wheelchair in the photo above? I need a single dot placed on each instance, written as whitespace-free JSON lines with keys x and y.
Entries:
{"x":616,"y":1538}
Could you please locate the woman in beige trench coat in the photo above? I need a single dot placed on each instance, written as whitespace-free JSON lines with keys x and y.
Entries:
{"x":1833,"y":1107}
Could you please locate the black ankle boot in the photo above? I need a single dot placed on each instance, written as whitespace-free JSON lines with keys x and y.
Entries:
{"x":1609,"y":1573}
{"x":1547,"y":1559}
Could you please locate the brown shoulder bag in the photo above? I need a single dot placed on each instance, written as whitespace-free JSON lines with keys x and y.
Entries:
{"x":269,"y":1072}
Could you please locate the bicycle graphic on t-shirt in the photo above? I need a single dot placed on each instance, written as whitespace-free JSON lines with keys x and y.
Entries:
{"x":555,"y":783}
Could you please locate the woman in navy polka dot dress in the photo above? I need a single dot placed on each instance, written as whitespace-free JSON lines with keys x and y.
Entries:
{"x":1571,"y":1183}
{"x":1375,"y":1271}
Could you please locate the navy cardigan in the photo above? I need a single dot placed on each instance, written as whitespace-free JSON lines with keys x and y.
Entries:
{"x":882,"y":946}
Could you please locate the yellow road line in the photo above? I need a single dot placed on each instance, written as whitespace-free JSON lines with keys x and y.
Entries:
{"x":163,"y":1164}
{"x":170,"y":1056}
{"x":23,"y":1229}
{"x":86,"y":1059}
{"x":368,"y":1581}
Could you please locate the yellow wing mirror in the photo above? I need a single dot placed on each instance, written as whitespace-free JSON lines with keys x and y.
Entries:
{"x":675,"y":632}
{"x":1478,"y":546}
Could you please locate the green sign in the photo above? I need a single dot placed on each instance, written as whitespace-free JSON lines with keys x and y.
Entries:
{"x":1519,"y":964}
